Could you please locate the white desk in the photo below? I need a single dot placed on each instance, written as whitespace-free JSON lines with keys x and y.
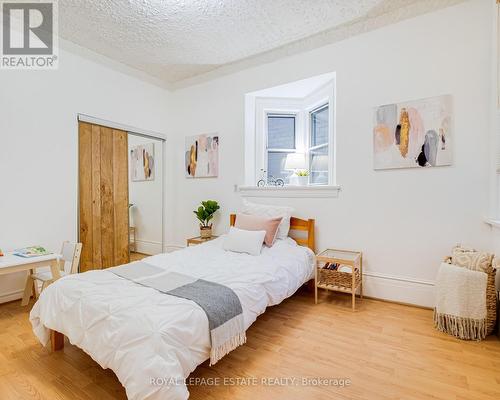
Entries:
{"x":10,"y":263}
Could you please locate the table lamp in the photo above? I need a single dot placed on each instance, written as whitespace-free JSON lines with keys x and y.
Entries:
{"x":295,"y":162}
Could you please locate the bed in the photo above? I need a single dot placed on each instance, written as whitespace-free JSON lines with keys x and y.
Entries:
{"x":153,"y":341}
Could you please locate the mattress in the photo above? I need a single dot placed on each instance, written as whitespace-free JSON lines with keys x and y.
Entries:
{"x":147,"y":337}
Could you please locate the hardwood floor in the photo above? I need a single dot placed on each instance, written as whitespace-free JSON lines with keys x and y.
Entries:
{"x":137,"y":256}
{"x":387,"y":351}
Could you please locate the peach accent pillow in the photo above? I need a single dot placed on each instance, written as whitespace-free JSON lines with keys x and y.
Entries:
{"x":254,"y":223}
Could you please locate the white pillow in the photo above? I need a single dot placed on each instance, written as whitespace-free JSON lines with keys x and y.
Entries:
{"x":268,"y":211}
{"x":241,"y":241}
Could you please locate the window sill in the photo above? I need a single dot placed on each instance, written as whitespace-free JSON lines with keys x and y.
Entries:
{"x":494,"y":223}
{"x":289,"y":191}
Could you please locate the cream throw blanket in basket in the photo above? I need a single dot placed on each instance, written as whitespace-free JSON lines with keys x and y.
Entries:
{"x":461,"y":302}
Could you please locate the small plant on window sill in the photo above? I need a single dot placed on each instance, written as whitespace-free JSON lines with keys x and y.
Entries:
{"x":301,"y":178}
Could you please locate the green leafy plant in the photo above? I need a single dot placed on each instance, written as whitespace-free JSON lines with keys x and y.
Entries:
{"x":206,"y":212}
{"x":303,"y":172}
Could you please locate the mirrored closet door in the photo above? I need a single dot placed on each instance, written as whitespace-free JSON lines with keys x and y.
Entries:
{"x":145,"y":195}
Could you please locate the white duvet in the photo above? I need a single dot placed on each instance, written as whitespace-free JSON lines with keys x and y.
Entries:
{"x":142,"y":334}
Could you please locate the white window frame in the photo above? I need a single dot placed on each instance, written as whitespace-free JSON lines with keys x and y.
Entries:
{"x":264,"y":108}
{"x":310,"y":147}
{"x":257,"y":107}
{"x":269,"y":113}
{"x":319,"y":105}
{"x":302,"y":110}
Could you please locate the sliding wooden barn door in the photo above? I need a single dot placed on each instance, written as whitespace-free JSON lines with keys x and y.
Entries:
{"x":103,"y":188}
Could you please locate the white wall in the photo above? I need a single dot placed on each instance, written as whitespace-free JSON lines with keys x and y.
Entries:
{"x":146,"y":196}
{"x":38,"y":145}
{"x":405,"y":221}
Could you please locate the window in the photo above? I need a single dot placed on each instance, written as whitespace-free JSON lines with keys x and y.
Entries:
{"x":289,"y":133}
{"x":280,"y":143}
{"x":285,"y":137}
{"x":318,"y":150}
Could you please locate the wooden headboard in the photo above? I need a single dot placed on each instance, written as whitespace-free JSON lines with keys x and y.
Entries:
{"x":296,"y":224}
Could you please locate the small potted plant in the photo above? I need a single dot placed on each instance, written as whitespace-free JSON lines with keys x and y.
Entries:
{"x":303,"y":177}
{"x":205,"y":213}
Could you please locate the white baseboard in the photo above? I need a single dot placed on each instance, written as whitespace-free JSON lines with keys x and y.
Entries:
{"x":375,"y":284}
{"x":148,"y":247}
{"x":399,"y":289}
{"x":11,"y":296}
{"x":386,"y":287}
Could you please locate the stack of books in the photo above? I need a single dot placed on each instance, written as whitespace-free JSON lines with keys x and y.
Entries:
{"x":32,"y":251}
{"x":332,"y":266}
{"x":337,"y":267}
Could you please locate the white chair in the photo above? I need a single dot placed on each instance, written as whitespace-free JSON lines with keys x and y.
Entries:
{"x":70,"y":259}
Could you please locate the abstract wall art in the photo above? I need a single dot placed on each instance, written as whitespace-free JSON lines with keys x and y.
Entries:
{"x":202,"y":156}
{"x":413,"y":134}
{"x":142,"y":162}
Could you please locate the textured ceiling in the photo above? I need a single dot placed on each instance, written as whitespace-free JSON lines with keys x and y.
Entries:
{"x":173,"y":40}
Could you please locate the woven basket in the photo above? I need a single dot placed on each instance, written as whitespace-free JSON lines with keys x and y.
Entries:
{"x":491,"y":301}
{"x":333,"y":277}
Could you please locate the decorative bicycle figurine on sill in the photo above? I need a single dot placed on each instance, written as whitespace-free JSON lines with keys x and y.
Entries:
{"x":269,"y":180}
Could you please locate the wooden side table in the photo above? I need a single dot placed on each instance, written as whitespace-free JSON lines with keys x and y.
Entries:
{"x":199,"y":240}
{"x":336,"y":280}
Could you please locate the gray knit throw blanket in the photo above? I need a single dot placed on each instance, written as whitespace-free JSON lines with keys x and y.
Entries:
{"x":221,"y":305}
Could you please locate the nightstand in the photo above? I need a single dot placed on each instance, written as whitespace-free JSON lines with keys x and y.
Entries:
{"x":335,"y":277}
{"x":199,"y":240}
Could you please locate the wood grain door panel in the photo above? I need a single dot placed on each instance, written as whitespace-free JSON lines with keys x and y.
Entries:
{"x":120,"y":196}
{"x":103,"y":184}
{"x":107,"y":210}
{"x":85,"y":193}
{"x":96,"y":197}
